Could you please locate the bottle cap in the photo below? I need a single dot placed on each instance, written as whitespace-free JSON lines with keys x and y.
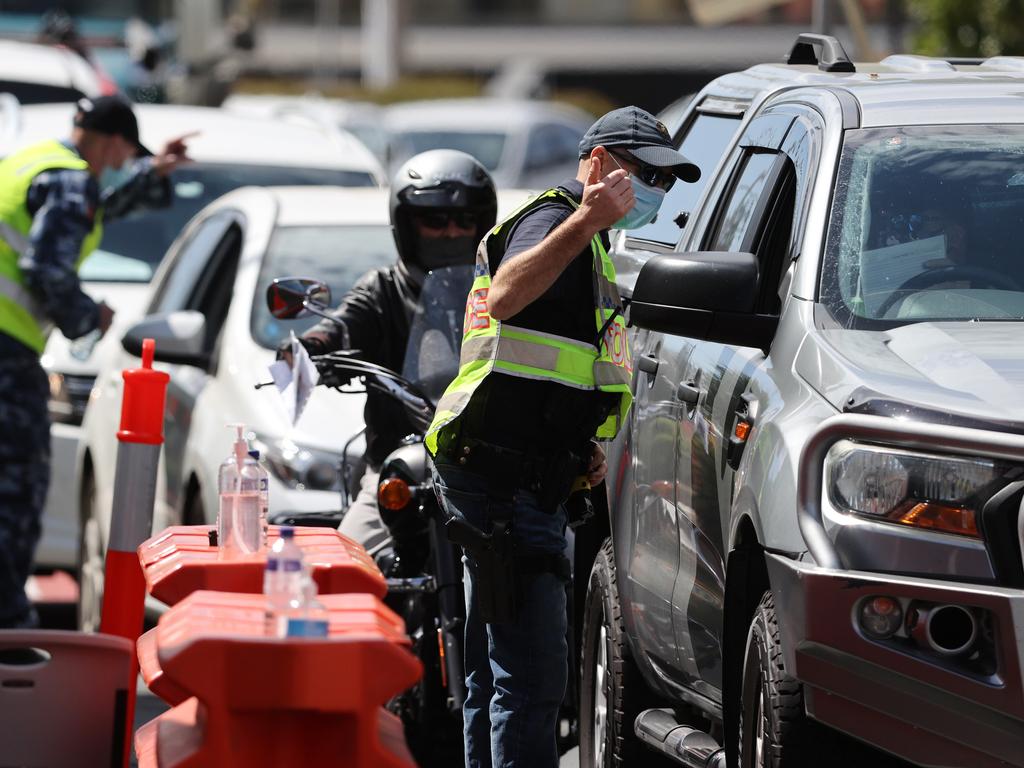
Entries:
{"x":287,"y":532}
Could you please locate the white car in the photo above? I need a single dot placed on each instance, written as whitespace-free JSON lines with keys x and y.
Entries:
{"x":363,"y":119}
{"x":213,"y":284}
{"x":43,"y":74}
{"x":523,"y":143}
{"x":229,"y":152}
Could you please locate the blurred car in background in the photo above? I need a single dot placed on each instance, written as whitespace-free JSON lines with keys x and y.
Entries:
{"x":229,"y":152}
{"x":213,"y":331}
{"x":362,"y":119}
{"x":43,"y":74}
{"x":523,"y":143}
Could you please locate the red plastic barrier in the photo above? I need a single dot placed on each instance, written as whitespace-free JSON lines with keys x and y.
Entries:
{"x":181,"y":560}
{"x":263,"y":701}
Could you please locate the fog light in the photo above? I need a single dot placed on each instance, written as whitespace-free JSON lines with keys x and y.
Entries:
{"x":880,"y":617}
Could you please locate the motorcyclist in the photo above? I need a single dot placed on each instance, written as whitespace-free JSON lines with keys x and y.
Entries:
{"x":442,"y":204}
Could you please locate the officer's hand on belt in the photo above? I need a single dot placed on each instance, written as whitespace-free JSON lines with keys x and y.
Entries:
{"x":598,"y":466}
{"x":606,"y":199}
{"x":106,"y":317}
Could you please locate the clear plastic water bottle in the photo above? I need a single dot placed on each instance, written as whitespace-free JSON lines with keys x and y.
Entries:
{"x":239,"y":531}
{"x":283,"y":581}
{"x":264,"y":490}
{"x":305,"y":616}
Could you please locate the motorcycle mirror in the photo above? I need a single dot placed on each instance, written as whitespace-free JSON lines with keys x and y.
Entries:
{"x":291,"y":297}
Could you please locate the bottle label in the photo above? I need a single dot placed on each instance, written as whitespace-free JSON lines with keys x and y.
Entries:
{"x":306,"y":628}
{"x":290,"y":566}
{"x":272,"y":564}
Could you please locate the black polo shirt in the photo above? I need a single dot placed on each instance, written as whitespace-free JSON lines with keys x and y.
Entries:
{"x":543,"y":416}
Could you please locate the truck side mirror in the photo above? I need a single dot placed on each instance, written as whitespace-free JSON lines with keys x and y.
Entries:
{"x":708,"y":295}
{"x":291,"y":297}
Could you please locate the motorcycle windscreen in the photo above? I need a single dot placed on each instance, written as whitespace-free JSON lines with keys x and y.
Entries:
{"x":435,"y":336}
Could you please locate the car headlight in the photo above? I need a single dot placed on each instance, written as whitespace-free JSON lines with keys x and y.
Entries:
{"x":300,"y":467}
{"x":939,"y":493}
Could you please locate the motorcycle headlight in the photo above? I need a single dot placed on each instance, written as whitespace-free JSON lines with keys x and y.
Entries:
{"x":300,"y":467}
{"x":939,"y":493}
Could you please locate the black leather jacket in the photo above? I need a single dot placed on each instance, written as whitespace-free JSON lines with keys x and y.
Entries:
{"x":378,"y":311}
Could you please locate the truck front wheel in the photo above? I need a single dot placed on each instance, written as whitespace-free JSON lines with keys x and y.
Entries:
{"x":612,"y":693}
{"x":774,"y":731}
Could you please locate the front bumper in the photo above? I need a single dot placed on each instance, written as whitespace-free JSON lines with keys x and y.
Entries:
{"x":901,"y":702}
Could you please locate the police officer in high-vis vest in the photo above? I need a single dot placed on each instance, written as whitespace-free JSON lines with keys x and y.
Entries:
{"x":545,"y":368}
{"x":51,"y":214}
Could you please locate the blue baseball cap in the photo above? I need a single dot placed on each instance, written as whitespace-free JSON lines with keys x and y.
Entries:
{"x":642,"y":135}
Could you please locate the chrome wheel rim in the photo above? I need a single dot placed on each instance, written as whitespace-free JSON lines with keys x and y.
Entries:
{"x":761,"y":726}
{"x":600,"y":697}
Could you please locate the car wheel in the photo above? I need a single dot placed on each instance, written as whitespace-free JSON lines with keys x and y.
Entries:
{"x":774,"y":731}
{"x":90,"y":560}
{"x":612,"y":692}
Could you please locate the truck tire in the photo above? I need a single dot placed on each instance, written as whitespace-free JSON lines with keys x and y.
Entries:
{"x":612,"y":692}
{"x":774,"y":731}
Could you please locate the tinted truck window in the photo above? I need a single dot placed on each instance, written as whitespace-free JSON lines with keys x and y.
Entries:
{"x":705,"y":142}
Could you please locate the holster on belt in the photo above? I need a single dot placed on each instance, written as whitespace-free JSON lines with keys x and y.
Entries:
{"x":500,"y":569}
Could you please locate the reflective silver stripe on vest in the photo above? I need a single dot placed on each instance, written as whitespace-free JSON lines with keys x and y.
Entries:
{"x":454,"y":401}
{"x":608,"y":374}
{"x":14,"y":238}
{"x":21,"y":296}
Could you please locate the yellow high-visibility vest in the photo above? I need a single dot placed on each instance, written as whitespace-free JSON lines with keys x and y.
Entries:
{"x":20,"y":315}
{"x":491,"y":345}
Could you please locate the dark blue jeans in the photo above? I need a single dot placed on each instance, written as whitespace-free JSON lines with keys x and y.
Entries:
{"x":515,"y":672}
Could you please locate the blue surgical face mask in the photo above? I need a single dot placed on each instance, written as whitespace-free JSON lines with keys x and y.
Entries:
{"x":647,"y":201}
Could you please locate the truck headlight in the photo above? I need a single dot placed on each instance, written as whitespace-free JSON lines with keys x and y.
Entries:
{"x":940,"y":493}
{"x":300,"y":467}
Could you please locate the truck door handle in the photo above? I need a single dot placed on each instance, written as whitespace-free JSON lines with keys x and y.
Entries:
{"x":648,"y":364}
{"x":688,"y":392}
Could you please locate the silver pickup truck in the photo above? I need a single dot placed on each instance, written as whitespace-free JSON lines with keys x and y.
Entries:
{"x":813,"y":549}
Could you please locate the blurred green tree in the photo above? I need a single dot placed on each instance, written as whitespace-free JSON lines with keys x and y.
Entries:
{"x":974,"y":28}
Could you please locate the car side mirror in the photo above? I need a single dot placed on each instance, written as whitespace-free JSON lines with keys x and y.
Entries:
{"x":291,"y":297}
{"x":179,"y":336}
{"x":707,"y":295}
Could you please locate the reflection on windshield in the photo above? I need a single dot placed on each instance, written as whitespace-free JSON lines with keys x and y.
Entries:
{"x":927,"y":225}
{"x":336,"y":255}
{"x":133,"y":246}
{"x":485,"y":147}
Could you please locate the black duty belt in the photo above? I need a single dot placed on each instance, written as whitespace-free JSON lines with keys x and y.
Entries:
{"x":549,"y":475}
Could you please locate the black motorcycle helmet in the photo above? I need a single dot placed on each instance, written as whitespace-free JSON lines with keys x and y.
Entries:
{"x":439,"y":181}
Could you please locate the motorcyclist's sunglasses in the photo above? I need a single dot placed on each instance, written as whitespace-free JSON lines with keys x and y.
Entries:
{"x":650,"y":175}
{"x":440,"y":219}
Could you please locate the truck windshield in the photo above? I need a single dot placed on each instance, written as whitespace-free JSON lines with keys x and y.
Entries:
{"x":927,"y":224}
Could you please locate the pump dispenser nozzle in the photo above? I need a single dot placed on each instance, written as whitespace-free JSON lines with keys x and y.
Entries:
{"x":241,"y":444}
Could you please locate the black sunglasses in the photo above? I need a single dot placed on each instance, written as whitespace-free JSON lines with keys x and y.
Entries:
{"x":440,"y":219}
{"x":650,"y":175}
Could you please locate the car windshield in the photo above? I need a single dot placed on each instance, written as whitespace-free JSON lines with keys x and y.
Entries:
{"x":337,"y":255}
{"x":133,"y":246}
{"x":485,"y":146}
{"x":927,"y":225}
